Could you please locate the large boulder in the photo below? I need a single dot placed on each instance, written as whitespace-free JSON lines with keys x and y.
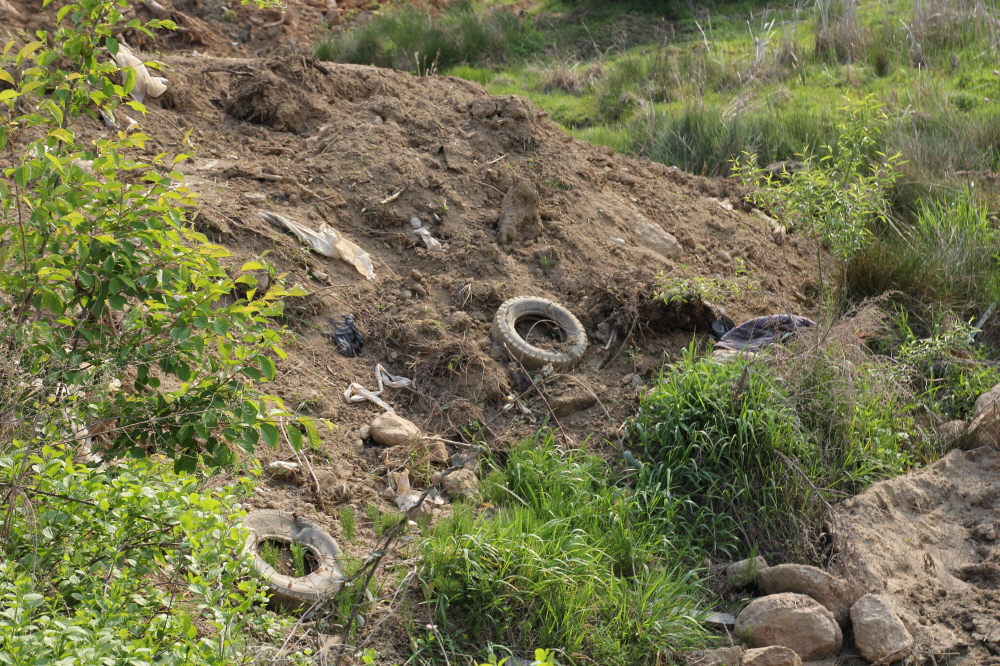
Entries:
{"x":794,"y":620}
{"x":836,"y":595}
{"x":391,"y":429}
{"x":879,"y":634}
{"x":775,"y":655}
{"x":744,"y":573}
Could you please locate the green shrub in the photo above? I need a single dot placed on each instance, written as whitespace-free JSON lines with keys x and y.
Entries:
{"x":124,"y":564}
{"x":568,"y":560}
{"x":412,"y":38}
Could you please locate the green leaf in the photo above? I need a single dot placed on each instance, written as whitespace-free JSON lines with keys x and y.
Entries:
{"x":269,"y":434}
{"x":294,"y":437}
{"x":252,"y":266}
{"x":267,"y":367}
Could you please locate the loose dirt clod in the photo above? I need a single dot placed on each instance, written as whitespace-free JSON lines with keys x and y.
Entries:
{"x":519,"y":213}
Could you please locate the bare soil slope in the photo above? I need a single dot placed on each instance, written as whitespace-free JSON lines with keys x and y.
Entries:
{"x":929,"y":540}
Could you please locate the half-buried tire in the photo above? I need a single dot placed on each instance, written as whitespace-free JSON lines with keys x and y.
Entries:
{"x":325,"y":577}
{"x":519,"y":310}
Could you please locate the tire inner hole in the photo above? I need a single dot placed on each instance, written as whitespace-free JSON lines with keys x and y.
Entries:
{"x":287,"y":558}
{"x":541,"y":332}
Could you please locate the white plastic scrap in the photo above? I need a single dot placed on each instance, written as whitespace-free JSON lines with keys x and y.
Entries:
{"x":358,"y":393}
{"x":512,"y":401}
{"x":327,"y":242}
{"x":424,"y":232}
{"x":283,"y":467}
{"x":406,"y":498}
{"x":145,"y":83}
{"x":385,"y":378}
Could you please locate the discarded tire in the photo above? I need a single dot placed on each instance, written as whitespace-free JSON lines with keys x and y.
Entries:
{"x":517,"y":309}
{"x":323,"y":580}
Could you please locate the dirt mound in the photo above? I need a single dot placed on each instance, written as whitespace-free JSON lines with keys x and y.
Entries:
{"x":930,"y":541}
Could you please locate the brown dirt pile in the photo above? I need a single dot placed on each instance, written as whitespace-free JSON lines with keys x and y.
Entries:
{"x":930,"y":541}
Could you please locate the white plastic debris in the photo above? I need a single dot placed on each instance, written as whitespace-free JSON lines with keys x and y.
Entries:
{"x":145,"y":83}
{"x":327,"y":242}
{"x":283,"y":468}
{"x":385,"y":378}
{"x":358,"y":393}
{"x":512,"y":401}
{"x":406,"y":498}
{"x":424,"y":233}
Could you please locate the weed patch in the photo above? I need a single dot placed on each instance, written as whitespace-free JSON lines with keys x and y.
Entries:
{"x":569,"y":560}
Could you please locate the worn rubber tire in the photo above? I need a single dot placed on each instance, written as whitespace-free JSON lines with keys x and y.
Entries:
{"x":288,"y":591}
{"x":532,"y":357}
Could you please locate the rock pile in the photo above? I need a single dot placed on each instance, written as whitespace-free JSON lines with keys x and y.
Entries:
{"x":804,"y":617}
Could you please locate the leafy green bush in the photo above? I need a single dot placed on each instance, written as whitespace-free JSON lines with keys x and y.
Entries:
{"x":569,"y":560}
{"x":412,"y":38}
{"x":104,"y":276}
{"x":124,"y":564}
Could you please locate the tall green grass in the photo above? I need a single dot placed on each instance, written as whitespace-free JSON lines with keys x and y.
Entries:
{"x":570,"y":560}
{"x":413,"y":38}
{"x":948,"y":260}
{"x":760,"y":446}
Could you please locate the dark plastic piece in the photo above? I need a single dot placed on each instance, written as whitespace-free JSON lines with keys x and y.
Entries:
{"x":347,"y":337}
{"x":721,"y":326}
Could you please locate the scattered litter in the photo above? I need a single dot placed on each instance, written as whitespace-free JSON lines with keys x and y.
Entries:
{"x":760,"y":332}
{"x":327,"y":242}
{"x":145,"y":84}
{"x":424,"y":233}
{"x":283,"y":468}
{"x":391,"y":198}
{"x":347,"y":337}
{"x":619,"y":241}
{"x":721,"y":326}
{"x":512,"y":401}
{"x":632,"y":461}
{"x":720,"y":621}
{"x":385,"y":378}
{"x":398,"y":489}
{"x":358,"y":393}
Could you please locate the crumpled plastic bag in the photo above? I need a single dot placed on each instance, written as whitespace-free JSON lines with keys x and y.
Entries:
{"x":145,"y":83}
{"x":759,"y":332}
{"x":347,"y":337}
{"x":385,"y":378}
{"x":327,"y":242}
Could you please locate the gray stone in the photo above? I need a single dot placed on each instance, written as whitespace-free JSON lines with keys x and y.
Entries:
{"x":462,"y":483}
{"x":729,"y":656}
{"x":364,"y":432}
{"x":743,"y":573}
{"x":651,"y":236}
{"x":794,"y":620}
{"x":879,"y":634}
{"x":572,"y":402}
{"x":836,"y":595}
{"x":391,"y":429}
{"x":774,"y":655}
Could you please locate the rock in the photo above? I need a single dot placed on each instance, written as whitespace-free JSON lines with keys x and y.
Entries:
{"x":391,"y":429}
{"x":794,"y":620}
{"x":462,"y":483}
{"x":986,"y":400}
{"x":783,"y":170}
{"x":775,"y":655}
{"x":519,"y":213}
{"x":651,"y":236}
{"x":729,"y":656}
{"x":720,"y":621}
{"x":743,"y":573}
{"x":364,"y":432}
{"x":572,"y":402}
{"x":459,"y":321}
{"x":951,"y":432}
{"x":254,"y":197}
{"x":778,"y":234}
{"x":985,"y":424}
{"x":836,"y":595}
{"x":879,"y":634}
{"x":436,"y":451}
